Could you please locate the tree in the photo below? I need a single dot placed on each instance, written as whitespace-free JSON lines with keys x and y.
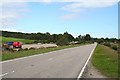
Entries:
{"x":87,"y":37}
{"x":79,"y":38}
{"x":68,"y":36}
{"x":62,"y":41}
{"x":55,"y":38}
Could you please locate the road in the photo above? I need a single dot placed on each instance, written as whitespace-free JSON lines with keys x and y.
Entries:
{"x":65,"y":63}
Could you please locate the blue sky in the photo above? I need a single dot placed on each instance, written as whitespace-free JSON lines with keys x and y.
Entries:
{"x":59,"y":17}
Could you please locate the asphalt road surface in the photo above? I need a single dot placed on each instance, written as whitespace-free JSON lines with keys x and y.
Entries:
{"x":65,"y":63}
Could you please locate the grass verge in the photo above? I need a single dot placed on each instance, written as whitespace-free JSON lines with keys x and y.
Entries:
{"x":7,"y":55}
{"x":105,"y":59}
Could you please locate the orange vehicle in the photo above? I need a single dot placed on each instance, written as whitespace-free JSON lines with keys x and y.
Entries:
{"x":17,"y":45}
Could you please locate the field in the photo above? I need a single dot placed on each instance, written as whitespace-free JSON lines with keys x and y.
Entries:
{"x":7,"y":55}
{"x":8,"y":39}
{"x":105,"y":60}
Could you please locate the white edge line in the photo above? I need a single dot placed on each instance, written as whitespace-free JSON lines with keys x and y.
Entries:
{"x":21,"y":58}
{"x":25,"y":57}
{"x":81,"y":72}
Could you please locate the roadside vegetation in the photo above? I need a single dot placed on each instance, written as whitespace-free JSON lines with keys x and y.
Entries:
{"x":105,"y":60}
{"x":10,"y":39}
{"x":111,"y":43}
{"x":7,"y":55}
{"x":59,"y":39}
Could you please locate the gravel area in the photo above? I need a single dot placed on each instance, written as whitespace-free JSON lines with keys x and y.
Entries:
{"x":38,"y":46}
{"x":92,"y":72}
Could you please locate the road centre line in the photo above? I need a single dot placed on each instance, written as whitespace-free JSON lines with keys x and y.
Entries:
{"x":50,"y":59}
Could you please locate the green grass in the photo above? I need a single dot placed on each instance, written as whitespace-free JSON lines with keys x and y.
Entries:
{"x":9,"y":39}
{"x":7,"y":55}
{"x":106,"y":60}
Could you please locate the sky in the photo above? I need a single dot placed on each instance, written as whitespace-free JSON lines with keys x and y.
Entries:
{"x":99,"y":18}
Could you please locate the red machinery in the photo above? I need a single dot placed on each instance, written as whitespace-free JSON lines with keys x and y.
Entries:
{"x":17,"y":45}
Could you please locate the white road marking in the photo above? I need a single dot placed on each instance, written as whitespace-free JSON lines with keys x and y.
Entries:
{"x":6,"y":74}
{"x":3,"y":74}
{"x":21,"y":58}
{"x":50,"y":59}
{"x":28,"y":56}
{"x":13,"y":71}
{"x":81,"y":72}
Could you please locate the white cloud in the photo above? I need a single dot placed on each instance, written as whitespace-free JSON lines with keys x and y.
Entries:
{"x":85,"y":4}
{"x":11,"y":12}
{"x":47,"y":1}
{"x":78,"y":6}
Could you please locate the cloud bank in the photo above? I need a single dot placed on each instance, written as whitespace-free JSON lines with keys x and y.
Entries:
{"x":79,"y":6}
{"x":13,"y":10}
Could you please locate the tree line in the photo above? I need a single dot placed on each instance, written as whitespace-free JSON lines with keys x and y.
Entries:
{"x":60,"y":39}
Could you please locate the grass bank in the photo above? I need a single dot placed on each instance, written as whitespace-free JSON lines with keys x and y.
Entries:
{"x":9,"y":39}
{"x":7,"y":55}
{"x":105,"y":59}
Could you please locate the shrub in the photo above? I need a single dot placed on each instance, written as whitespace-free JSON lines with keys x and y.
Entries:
{"x":107,"y":44}
{"x":114,"y":47}
{"x":31,"y":48}
{"x":26,"y":49}
{"x":62,"y":41}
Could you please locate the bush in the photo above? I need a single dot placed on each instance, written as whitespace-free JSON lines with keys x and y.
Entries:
{"x":26,"y":49}
{"x":36,"y":41}
{"x":10,"y":49}
{"x":62,"y":41}
{"x":114,"y":47}
{"x":20,"y":49}
{"x":111,"y":45}
{"x":107,"y":44}
{"x":31,"y":48}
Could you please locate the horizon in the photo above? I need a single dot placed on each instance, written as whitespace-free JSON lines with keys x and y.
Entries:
{"x":63,"y":33}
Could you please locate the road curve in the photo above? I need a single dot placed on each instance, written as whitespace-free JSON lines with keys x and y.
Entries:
{"x":65,"y":63}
